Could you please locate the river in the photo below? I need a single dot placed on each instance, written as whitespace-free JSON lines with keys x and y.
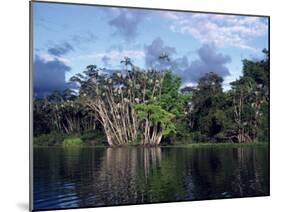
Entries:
{"x":91,"y":177}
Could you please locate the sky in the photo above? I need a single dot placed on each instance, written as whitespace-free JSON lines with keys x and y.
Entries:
{"x":67,"y":38}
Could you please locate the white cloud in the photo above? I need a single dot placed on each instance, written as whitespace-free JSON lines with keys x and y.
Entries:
{"x":222,"y":30}
{"x":46,"y":57}
{"x":116,"y":55}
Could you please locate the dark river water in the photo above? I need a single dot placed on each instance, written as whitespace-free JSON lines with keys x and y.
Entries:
{"x":89,"y":177}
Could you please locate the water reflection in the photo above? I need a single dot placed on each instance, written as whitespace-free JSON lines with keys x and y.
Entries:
{"x":84,"y":177}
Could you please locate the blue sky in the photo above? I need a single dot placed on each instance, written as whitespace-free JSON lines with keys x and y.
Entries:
{"x":67,"y":38}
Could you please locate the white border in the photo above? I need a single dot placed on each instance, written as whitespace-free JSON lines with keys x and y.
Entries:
{"x":14,"y":104}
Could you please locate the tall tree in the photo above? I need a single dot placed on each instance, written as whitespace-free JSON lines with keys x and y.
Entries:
{"x":207,"y":107}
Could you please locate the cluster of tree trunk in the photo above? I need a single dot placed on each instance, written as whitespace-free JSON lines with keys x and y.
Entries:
{"x":113,"y":99}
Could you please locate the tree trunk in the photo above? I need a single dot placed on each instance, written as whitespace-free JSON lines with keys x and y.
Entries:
{"x":159,"y":137}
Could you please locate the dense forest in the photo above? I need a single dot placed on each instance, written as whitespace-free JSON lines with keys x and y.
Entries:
{"x":150,"y":107}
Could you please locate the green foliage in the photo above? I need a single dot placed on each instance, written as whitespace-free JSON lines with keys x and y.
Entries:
{"x":207,"y":102}
{"x":62,"y":112}
{"x":93,"y":137}
{"x":157,"y":116}
{"x":60,"y":139}
{"x":72,"y":142}
{"x":183,"y":132}
{"x":258,"y":70}
{"x":238,"y":115}
{"x":52,"y":139}
{"x":263,"y":132}
{"x":170,"y":99}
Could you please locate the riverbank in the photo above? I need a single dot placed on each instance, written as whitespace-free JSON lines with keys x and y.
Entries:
{"x":217,"y":145}
{"x":190,"y":145}
{"x":98,"y":139}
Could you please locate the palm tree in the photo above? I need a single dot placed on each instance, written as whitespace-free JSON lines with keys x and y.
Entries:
{"x":127,"y":62}
{"x":164,"y":56}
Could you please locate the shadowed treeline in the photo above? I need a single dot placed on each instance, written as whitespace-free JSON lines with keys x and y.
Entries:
{"x":151,"y":107}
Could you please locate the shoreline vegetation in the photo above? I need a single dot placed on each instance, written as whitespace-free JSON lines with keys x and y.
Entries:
{"x":135,"y":107}
{"x":86,"y":141}
{"x":190,"y":145}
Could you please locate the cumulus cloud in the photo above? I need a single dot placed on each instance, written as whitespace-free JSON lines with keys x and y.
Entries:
{"x":154,"y":50}
{"x":222,"y":30}
{"x":208,"y":60}
{"x":209,"y":55}
{"x":61,"y":49}
{"x":126,"y":23}
{"x":48,"y":76}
